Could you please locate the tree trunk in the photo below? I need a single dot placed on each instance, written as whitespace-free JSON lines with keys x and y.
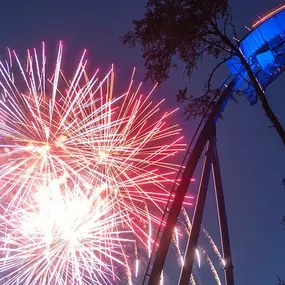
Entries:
{"x":253,"y":80}
{"x":261,"y":95}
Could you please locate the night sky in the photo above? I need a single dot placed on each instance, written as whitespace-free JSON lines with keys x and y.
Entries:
{"x":251,"y":154}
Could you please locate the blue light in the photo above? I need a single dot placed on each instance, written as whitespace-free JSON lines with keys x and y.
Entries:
{"x":264,"y":49}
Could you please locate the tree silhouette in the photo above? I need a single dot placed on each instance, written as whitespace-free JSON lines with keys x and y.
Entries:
{"x":189,"y":30}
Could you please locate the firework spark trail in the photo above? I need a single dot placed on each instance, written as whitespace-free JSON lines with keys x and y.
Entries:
{"x":212,"y":267}
{"x":111,"y":151}
{"x":192,"y":280}
{"x":177,"y":246}
{"x":213,"y":244}
{"x":188,"y":222}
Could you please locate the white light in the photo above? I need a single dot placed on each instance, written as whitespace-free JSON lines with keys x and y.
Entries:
{"x":198,"y":257}
{"x":137,"y":267}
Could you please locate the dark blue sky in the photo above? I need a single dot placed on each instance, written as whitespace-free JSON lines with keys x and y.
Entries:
{"x":252,"y":156}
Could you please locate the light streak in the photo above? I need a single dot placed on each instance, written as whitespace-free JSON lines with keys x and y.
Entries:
{"x":136,"y":262}
{"x":137,"y":268}
{"x":267,"y":16}
{"x":198,"y":257}
{"x":161,"y":278}
{"x":181,"y":260}
{"x":176,"y":236}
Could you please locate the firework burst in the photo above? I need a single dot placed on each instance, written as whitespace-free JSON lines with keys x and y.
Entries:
{"x":84,"y":174}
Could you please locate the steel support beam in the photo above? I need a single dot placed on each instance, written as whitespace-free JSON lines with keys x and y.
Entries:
{"x":206,"y":133}
{"x":197,"y":217}
{"x":225,"y":238}
{"x":174,"y":212}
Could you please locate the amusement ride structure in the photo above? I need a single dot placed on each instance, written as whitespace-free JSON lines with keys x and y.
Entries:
{"x":263,"y":47}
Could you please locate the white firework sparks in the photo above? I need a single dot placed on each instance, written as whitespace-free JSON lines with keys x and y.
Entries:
{"x":83,"y":173}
